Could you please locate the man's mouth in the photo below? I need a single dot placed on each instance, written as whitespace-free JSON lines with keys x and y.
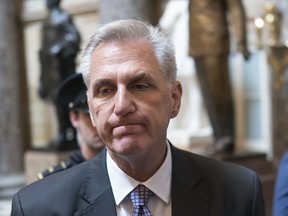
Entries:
{"x":127,"y":129}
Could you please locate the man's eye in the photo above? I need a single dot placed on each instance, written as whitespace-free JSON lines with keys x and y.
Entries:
{"x":104,"y":91}
{"x":141,"y":86}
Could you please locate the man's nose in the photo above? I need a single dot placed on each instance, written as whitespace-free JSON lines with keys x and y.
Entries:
{"x":124,"y":103}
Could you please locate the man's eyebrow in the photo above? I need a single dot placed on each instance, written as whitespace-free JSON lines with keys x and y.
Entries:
{"x":135,"y":78}
{"x":101,"y":82}
{"x":140,"y":77}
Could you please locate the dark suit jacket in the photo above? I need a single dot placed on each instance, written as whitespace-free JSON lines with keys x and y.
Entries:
{"x":200,"y":186}
{"x":280,"y":206}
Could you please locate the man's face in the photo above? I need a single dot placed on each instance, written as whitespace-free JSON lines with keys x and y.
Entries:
{"x":130,"y":101}
{"x":89,"y":135}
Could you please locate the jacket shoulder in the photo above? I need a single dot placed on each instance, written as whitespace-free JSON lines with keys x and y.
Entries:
{"x":231,"y":186}
{"x":74,"y":159}
{"x":209,"y":165}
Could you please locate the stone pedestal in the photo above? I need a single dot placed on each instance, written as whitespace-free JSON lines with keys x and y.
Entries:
{"x":38,"y":161}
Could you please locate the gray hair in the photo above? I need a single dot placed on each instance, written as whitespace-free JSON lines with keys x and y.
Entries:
{"x":132,"y":30}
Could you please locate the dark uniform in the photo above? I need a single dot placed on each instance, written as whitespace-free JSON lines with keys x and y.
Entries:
{"x":74,"y":159}
{"x":72,"y":93}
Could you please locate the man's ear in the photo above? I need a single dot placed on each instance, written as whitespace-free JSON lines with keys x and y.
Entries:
{"x":176,"y":93}
{"x":91,"y":117}
{"x":74,"y":118}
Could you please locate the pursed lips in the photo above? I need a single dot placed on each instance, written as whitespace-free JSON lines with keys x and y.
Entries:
{"x":127,"y":129}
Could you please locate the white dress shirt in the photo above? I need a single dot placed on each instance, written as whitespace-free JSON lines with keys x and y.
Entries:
{"x":159,"y":184}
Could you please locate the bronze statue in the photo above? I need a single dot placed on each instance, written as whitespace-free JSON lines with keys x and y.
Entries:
{"x":60,"y":46}
{"x":209,"y":46}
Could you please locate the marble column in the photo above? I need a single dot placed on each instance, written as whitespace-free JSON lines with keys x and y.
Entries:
{"x":278,"y":60}
{"x":149,"y":10}
{"x":14,"y":128}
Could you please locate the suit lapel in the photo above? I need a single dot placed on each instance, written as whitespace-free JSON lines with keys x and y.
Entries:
{"x":96,"y":190}
{"x":190,"y":194}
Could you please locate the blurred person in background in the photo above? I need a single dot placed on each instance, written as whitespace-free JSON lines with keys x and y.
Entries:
{"x":72,"y":93}
{"x":280,"y":203}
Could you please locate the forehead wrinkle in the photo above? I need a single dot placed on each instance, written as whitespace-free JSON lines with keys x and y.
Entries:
{"x":118,"y":63}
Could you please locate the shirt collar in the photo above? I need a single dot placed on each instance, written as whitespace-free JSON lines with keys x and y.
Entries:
{"x":159,"y":183}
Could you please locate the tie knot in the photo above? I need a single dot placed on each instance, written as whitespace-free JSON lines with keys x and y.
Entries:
{"x":140,"y":195}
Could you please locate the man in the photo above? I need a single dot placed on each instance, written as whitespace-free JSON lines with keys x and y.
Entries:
{"x":130,"y":71}
{"x":209,"y":46}
{"x":280,"y":202}
{"x":72,"y":93}
{"x":60,"y":46}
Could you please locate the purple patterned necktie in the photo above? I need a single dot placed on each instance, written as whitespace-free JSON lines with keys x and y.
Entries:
{"x":139,"y":197}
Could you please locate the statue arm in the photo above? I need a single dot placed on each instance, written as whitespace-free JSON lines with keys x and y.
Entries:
{"x":238,"y":20}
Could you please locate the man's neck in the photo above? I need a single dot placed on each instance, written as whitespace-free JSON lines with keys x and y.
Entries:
{"x":140,"y":167}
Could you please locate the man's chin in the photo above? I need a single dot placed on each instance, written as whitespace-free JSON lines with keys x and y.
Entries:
{"x":126,"y":146}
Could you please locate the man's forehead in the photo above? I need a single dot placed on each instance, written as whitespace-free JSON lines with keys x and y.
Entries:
{"x":113,"y":57}
{"x":115,"y":48}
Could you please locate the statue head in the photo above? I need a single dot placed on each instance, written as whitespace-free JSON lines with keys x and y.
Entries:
{"x":52,"y":3}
